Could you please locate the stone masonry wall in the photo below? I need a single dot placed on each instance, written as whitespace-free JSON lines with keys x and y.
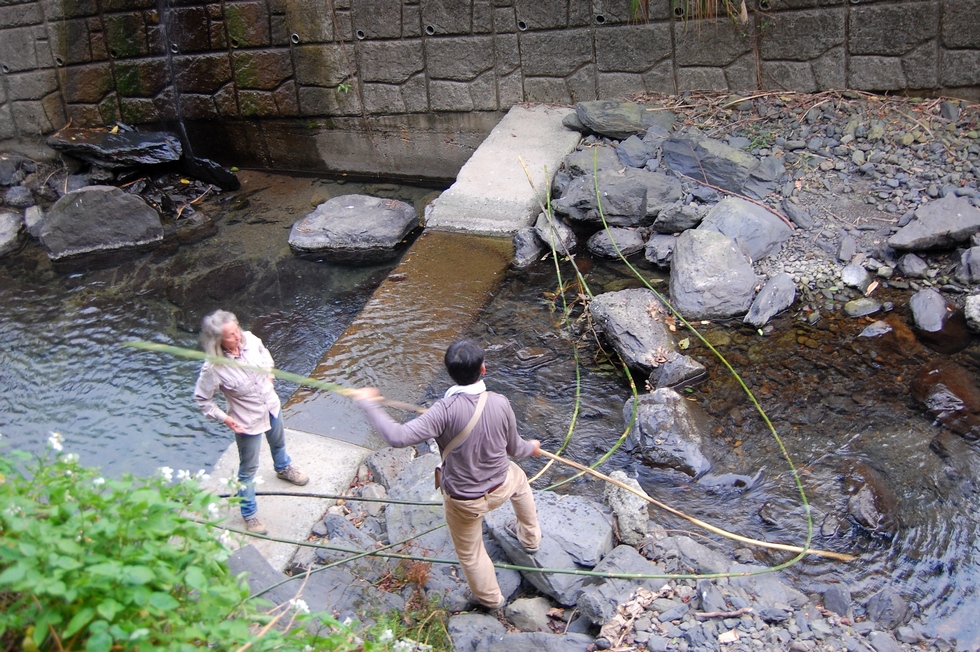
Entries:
{"x":248,"y":68}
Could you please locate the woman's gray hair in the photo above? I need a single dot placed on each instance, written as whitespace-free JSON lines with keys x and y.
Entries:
{"x":211,"y":331}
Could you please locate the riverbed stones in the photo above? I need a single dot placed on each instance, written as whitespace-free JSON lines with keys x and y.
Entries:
{"x":667,"y":432}
{"x":632,"y":510}
{"x":928,"y":310}
{"x":692,"y":154}
{"x":949,"y":392}
{"x":354,"y":230}
{"x":615,"y":243}
{"x":99,"y":224}
{"x":776,"y":295}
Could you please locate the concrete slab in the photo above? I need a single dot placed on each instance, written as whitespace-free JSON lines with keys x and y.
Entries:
{"x":331,"y":465}
{"x":398,"y":340}
{"x":492,"y":194}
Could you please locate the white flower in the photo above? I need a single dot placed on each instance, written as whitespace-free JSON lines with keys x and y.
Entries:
{"x":258,"y":480}
{"x":167,"y":473}
{"x":183,"y":475}
{"x":68,"y":472}
{"x":225,"y":539}
{"x":386,"y":636}
{"x":213,"y":510}
{"x":98,"y":482}
{"x":54,"y":441}
{"x":202,"y":476}
{"x":300,"y":605}
{"x":71,"y":458}
{"x":347,"y":622}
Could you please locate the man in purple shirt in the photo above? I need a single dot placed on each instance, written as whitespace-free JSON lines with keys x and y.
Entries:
{"x":477,"y":475}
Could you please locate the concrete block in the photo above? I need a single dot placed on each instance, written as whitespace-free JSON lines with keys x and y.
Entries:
{"x":459,"y":58}
{"x":890,"y":30}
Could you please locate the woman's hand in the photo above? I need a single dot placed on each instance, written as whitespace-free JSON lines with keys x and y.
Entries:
{"x":234,"y":425}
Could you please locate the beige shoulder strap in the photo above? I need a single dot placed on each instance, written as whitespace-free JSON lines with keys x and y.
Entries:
{"x":465,"y":432}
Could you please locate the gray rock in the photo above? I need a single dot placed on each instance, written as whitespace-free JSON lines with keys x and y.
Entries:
{"x":971,"y":310}
{"x":677,"y":218}
{"x":696,"y":556}
{"x":616,"y":242}
{"x":11,"y":230}
{"x":633,"y":322}
{"x":527,"y":247}
{"x":18,"y":197}
{"x":529,"y":614}
{"x":837,"y":599}
{"x":776,"y":295}
{"x":710,"y":277}
{"x":386,"y":464}
{"x":968,"y":269}
{"x":755,"y":230}
{"x":33,"y":217}
{"x":619,"y":120}
{"x":911,"y":266}
{"x":99,"y":224}
{"x":124,"y":149}
{"x":928,"y":310}
{"x":677,"y":370}
{"x":354,"y":230}
{"x":635,"y":152}
{"x":632,"y":511}
{"x":659,"y":249}
{"x":856,"y":276}
{"x":877,"y":329}
{"x":667,"y":432}
{"x":846,"y":249}
{"x":888,"y":608}
{"x":342,"y":534}
{"x":711,"y":161}
{"x":942,"y":223}
{"x":798,"y":216}
{"x":861,"y":307}
{"x":555,"y":234}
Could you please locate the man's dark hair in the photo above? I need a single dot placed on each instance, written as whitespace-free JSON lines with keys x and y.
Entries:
{"x":464,"y":360}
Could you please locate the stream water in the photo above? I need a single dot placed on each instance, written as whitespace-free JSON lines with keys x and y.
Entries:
{"x":838,"y":401}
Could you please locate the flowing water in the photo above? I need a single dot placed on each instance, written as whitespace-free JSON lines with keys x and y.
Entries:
{"x":839,"y":402}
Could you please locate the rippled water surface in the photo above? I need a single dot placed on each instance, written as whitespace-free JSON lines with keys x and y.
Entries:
{"x":64,"y":367}
{"x":839,"y":402}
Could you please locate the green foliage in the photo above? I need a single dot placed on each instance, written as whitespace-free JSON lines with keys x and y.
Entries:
{"x":95,"y":564}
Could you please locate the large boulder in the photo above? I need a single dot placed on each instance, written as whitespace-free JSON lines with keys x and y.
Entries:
{"x":756,"y":231}
{"x":667,"y":432}
{"x":950,"y":393}
{"x":619,"y":120}
{"x":354,"y":230}
{"x":710,"y":277}
{"x":635,"y":323}
{"x":937,"y":225}
{"x":98,"y":225}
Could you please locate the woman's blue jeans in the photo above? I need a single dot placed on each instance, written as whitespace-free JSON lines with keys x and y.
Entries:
{"x":249,"y":447}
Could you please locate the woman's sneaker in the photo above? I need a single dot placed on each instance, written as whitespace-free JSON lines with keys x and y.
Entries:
{"x":255,"y":526}
{"x":292,"y":474}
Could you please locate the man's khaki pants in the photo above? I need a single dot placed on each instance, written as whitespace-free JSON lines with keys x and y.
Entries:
{"x":465,"y":521}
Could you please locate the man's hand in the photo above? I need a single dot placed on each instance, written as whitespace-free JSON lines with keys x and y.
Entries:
{"x":234,"y":425}
{"x":365,"y":394}
{"x":537,"y":447}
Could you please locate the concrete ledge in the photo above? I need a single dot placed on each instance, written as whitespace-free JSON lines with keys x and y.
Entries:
{"x":492,"y":194}
{"x":331,"y":465}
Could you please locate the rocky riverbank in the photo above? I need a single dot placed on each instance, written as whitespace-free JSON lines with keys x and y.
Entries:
{"x":839,"y":177}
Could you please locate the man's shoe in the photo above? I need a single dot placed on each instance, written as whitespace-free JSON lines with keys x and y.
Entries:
{"x":495,"y":611}
{"x":255,"y":526}
{"x":292,"y":474}
{"x":511,"y":528}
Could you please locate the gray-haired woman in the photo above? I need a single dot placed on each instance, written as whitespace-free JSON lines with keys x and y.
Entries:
{"x":253,"y":405}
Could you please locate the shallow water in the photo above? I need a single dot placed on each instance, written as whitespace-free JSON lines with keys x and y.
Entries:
{"x":839,"y":402}
{"x":64,"y":367}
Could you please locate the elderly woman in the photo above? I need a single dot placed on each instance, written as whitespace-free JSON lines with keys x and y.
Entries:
{"x":253,"y":405}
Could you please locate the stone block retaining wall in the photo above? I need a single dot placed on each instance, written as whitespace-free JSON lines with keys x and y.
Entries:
{"x":244,"y":74}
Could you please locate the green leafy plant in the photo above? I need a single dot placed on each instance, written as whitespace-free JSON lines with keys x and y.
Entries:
{"x":344,"y":87}
{"x":97,"y":564}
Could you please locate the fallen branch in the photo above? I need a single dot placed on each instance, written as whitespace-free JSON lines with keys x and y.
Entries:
{"x":723,"y":614}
